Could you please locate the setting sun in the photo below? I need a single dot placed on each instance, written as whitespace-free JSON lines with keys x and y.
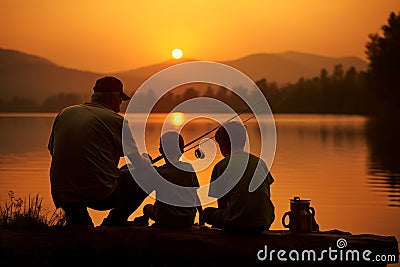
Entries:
{"x":177,"y":118}
{"x":177,"y":53}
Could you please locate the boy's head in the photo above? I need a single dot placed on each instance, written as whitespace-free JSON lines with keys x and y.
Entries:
{"x":171,"y":145}
{"x":231,"y":136}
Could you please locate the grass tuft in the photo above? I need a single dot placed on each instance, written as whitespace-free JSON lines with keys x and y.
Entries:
{"x":28,"y":213}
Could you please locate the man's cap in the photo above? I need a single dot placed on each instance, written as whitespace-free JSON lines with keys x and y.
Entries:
{"x":110,"y":84}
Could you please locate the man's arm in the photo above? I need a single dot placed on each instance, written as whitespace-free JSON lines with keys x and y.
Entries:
{"x":129,"y":144}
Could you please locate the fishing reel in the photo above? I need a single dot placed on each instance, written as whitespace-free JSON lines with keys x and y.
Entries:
{"x":199,"y":153}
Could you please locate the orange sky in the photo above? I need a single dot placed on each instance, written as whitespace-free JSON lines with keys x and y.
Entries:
{"x":107,"y":36}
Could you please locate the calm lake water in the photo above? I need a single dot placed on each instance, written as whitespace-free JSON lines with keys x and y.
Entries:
{"x":348,"y":166}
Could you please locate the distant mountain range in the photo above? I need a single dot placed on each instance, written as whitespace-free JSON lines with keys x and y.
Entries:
{"x":36,"y":78}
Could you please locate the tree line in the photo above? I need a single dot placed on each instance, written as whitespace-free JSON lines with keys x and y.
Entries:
{"x":337,"y":91}
{"x":54,"y":103}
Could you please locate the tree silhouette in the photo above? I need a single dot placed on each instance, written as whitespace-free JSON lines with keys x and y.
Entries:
{"x":19,"y":104}
{"x":383,"y":73}
{"x":56,"y":103}
{"x":341,"y":92}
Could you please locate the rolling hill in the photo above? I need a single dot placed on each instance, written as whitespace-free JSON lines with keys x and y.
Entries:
{"x":290,"y":66}
{"x":36,"y":78}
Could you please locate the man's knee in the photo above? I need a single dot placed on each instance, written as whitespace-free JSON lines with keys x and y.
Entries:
{"x":128,"y":189}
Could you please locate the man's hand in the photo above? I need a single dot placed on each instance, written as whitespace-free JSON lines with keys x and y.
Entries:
{"x":140,"y":161}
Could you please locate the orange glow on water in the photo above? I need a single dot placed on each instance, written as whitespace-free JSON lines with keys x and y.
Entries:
{"x":177,"y":119}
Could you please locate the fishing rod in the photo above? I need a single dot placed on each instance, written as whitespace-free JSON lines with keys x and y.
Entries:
{"x":204,"y":135}
{"x":198,"y":152}
{"x":207,"y":133}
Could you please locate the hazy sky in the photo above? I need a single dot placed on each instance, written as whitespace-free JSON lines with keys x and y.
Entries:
{"x":108,"y":36}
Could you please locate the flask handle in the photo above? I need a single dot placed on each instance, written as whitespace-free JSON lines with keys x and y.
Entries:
{"x":288,"y":213}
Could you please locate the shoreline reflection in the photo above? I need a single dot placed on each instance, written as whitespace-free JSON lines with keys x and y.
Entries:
{"x":383,"y":142}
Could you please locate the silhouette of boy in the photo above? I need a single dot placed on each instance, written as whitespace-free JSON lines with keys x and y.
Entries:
{"x":181,"y":174}
{"x":239,"y":210}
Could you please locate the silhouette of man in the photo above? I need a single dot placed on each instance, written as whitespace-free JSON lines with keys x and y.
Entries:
{"x":86,"y":145}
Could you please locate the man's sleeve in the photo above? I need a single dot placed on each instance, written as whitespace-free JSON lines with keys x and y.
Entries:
{"x":128,"y":143}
